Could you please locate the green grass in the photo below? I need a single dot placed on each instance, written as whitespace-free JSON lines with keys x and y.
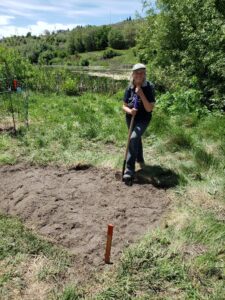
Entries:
{"x":63,"y":129}
{"x":174,"y":263}
{"x":182,"y":259}
{"x":20,"y":249}
{"x":70,"y":293}
{"x":95,"y":58}
{"x":125,"y":57}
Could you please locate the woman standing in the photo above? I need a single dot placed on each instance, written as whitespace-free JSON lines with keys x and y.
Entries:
{"x":141,"y":88}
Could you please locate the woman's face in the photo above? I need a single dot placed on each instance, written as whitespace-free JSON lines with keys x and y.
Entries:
{"x":139,"y":77}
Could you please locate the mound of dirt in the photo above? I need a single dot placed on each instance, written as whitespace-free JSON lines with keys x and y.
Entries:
{"x":73,"y":207}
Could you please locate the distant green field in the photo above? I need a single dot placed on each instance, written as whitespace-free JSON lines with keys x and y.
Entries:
{"x":125,"y":57}
{"x":95,"y":58}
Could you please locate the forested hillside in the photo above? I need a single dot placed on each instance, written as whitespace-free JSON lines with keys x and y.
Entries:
{"x":61,"y":46}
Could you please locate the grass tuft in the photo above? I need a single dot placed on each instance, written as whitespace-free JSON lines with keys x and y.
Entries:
{"x":70,"y":293}
{"x":203,"y":159}
{"x":179,"y":140}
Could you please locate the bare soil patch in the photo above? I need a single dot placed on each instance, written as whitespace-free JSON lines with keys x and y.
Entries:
{"x":73,"y":206}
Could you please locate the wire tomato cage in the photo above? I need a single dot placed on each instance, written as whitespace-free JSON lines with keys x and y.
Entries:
{"x":14,"y":104}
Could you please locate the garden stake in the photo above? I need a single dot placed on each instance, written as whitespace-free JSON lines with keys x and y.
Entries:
{"x":108,"y":244}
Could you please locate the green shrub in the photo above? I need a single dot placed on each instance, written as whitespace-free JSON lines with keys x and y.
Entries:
{"x":116,"y":39}
{"x":13,"y":65}
{"x":184,"y":41}
{"x":85,"y":63}
{"x":70,"y":87}
{"x":182,"y":101}
{"x":46,"y":57}
{"x":70,"y":293}
{"x":55,"y":61}
{"x":109,"y":53}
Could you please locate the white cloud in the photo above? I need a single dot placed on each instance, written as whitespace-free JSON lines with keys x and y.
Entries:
{"x":35,"y":29}
{"x":65,"y":13}
{"x":5,"y":20}
{"x":69,"y":8}
{"x":27,"y":5}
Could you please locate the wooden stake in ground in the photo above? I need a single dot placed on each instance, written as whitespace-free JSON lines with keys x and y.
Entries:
{"x":109,"y":243}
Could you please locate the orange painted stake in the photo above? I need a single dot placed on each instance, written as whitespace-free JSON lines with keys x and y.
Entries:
{"x":108,"y":244}
{"x":15,"y":84}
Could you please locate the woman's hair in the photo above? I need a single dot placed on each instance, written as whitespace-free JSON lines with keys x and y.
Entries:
{"x":132,"y":79}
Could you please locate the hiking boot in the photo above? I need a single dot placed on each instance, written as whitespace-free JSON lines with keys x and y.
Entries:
{"x":128,"y":178}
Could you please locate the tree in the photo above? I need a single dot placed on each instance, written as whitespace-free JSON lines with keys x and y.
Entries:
{"x":13,"y":65}
{"x":95,"y":38}
{"x":186,"y":41}
{"x":45,"y":57}
{"x":116,"y":39}
{"x":129,"y":34}
{"x":47,"y":32}
{"x":89,"y":39}
{"x":75,"y":42}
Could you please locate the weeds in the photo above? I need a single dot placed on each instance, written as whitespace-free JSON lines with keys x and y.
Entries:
{"x":172,"y":263}
{"x":179,"y":140}
{"x":203,"y":159}
{"x":183,"y":259}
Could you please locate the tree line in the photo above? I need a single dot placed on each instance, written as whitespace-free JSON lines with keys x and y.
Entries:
{"x":56,"y":46}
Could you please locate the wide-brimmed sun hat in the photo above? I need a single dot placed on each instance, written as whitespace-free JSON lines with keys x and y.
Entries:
{"x":138,"y":67}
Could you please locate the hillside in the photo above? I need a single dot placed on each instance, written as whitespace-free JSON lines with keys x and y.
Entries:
{"x":66,"y":47}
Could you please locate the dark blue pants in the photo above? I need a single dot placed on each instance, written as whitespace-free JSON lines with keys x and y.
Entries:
{"x":135,"y":152}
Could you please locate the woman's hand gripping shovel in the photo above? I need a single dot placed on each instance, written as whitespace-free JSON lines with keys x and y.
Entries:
{"x":130,"y":180}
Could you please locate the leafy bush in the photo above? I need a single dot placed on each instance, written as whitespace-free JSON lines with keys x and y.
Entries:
{"x":46,"y":57}
{"x":89,"y":38}
{"x":13,"y":65}
{"x":84,"y":63}
{"x":70,"y":87}
{"x":182,"y":101}
{"x":109,"y":53}
{"x":116,"y":39}
{"x":186,"y":40}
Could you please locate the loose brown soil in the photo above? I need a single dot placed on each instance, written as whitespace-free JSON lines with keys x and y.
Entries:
{"x":72,"y":207}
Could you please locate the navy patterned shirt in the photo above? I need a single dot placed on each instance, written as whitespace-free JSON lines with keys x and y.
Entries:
{"x":142,"y":114}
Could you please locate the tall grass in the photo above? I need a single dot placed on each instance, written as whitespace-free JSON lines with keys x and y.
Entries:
{"x":181,"y":261}
{"x":62,"y":80}
{"x":63,"y":129}
{"x":184,"y":258}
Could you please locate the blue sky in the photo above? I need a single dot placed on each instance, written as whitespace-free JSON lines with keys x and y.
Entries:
{"x":19,"y":17}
